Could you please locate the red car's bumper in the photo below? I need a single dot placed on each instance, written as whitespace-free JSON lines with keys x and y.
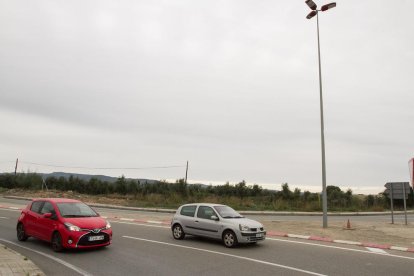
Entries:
{"x":86,"y":239}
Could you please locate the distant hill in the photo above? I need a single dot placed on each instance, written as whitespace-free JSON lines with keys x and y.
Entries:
{"x":87,"y":177}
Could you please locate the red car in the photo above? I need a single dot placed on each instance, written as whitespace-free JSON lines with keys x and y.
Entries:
{"x":66,"y":223}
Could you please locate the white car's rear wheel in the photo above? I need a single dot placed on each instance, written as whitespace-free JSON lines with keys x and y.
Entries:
{"x":178,"y":232}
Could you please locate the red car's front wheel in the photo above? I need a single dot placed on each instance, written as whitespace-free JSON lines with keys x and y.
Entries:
{"x":57,"y":242}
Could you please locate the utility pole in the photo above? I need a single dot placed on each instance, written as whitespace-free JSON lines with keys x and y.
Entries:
{"x":15,"y":168}
{"x":186,"y":172}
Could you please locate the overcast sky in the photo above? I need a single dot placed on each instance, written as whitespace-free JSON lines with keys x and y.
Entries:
{"x":230,"y":86}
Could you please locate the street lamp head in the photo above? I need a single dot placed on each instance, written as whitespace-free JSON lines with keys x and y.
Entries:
{"x":311,"y":14}
{"x":328,"y":6}
{"x":311,"y":4}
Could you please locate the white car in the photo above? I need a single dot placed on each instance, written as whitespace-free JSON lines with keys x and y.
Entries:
{"x":216,"y":221}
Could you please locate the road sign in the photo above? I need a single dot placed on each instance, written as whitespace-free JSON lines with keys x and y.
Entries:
{"x":399,"y":189}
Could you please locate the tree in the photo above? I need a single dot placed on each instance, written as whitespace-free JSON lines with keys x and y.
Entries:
{"x":132,"y":188}
{"x":334,"y":195}
{"x":256,"y":190}
{"x":121,"y":185}
{"x":369,"y":201}
{"x":241,"y":189}
{"x":286,"y":192}
{"x":181,"y":187}
{"x":296,"y":194}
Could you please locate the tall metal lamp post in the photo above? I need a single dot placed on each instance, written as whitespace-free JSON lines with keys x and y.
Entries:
{"x":314,"y":12}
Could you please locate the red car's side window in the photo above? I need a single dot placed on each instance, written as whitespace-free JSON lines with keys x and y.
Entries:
{"x":47,"y":208}
{"x":36,"y":206}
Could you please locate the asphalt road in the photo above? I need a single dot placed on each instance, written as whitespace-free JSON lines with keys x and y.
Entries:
{"x":398,"y":218}
{"x":144,"y":249}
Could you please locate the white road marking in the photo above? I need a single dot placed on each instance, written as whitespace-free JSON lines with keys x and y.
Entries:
{"x":3,"y":218}
{"x":8,"y":209}
{"x":298,"y":236}
{"x":399,"y":248}
{"x":341,"y":248}
{"x":228,"y":255}
{"x":127,"y":219}
{"x":14,"y":208}
{"x":140,"y":224}
{"x":377,"y":250}
{"x":347,"y":242}
{"x":154,"y":221}
{"x":62,"y":262}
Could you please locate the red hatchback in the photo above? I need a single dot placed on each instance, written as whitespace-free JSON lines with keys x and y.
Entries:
{"x":66,"y":223}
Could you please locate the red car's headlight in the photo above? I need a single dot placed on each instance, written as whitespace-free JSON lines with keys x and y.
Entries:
{"x":108,"y":225}
{"x":71,"y":227}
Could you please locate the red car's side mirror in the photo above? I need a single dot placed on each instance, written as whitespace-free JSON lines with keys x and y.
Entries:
{"x":47,"y":215}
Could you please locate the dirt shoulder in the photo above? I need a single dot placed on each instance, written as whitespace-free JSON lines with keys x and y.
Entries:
{"x":365,"y":232}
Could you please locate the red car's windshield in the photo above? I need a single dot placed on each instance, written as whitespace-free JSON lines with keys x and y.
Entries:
{"x":75,"y":209}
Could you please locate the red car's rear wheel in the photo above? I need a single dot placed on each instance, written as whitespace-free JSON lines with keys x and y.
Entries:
{"x":21,"y":233}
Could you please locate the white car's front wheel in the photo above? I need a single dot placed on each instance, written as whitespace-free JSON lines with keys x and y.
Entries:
{"x":229,"y":239}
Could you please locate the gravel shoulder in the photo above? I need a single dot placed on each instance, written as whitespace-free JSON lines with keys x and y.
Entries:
{"x":369,"y":232}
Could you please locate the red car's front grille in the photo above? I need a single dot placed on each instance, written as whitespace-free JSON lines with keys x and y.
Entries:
{"x":85,"y":241}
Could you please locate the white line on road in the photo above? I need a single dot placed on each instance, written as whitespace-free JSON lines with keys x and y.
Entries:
{"x":140,"y":224}
{"x":341,"y":248}
{"x":377,"y":250}
{"x":8,"y":209}
{"x":155,"y":221}
{"x":228,"y":255}
{"x":62,"y":262}
{"x":3,"y":218}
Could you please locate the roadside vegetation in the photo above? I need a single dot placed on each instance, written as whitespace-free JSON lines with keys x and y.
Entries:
{"x":171,"y":195}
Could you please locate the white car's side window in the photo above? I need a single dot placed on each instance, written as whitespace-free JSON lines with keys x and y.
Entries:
{"x":205,"y":212}
{"x":188,"y":211}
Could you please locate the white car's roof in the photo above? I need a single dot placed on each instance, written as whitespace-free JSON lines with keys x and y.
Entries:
{"x":204,"y":204}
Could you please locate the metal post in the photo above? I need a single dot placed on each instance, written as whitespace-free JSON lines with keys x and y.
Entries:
{"x":392,"y":205}
{"x":15,"y":168}
{"x":186,"y":172}
{"x":405,"y":204}
{"x":324,"y":194}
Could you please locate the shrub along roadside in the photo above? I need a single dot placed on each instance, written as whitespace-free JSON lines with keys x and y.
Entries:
{"x":172,"y":195}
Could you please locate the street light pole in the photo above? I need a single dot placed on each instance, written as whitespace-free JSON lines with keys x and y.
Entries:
{"x":324,"y":194}
{"x":314,"y":12}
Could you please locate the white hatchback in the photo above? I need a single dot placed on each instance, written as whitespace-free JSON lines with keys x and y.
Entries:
{"x":216,"y":221}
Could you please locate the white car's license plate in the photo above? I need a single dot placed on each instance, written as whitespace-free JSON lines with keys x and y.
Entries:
{"x":96,"y":238}
{"x":259,"y":235}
